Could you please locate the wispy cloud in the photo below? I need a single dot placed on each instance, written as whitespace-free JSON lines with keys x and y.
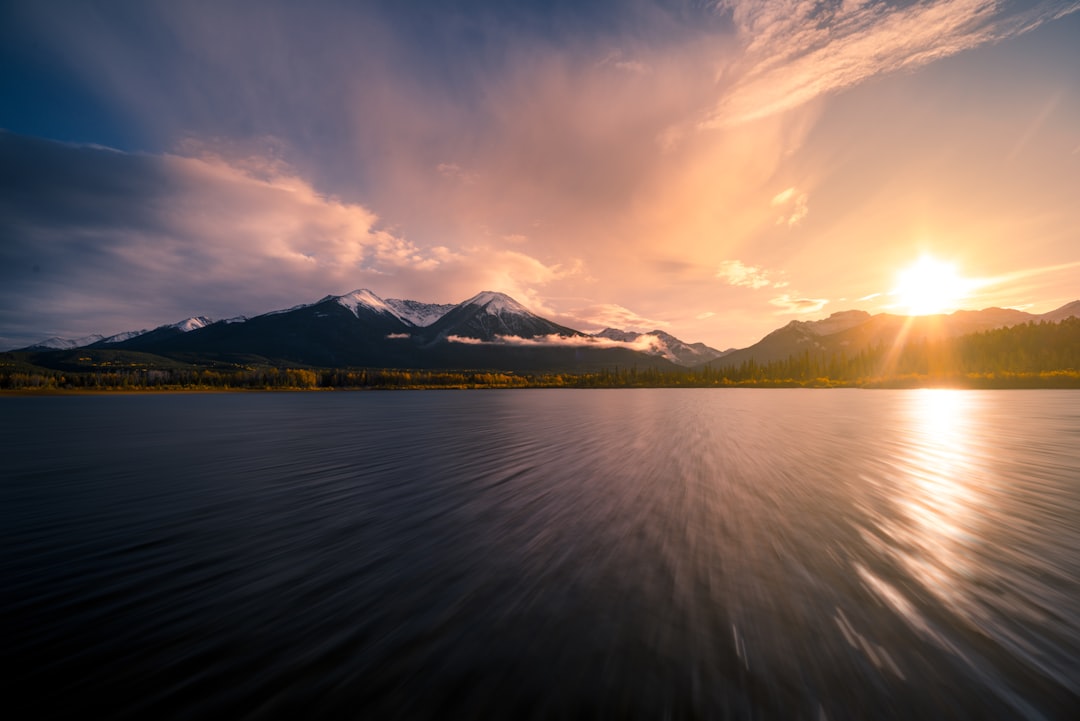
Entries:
{"x":642,"y":343}
{"x":735,"y":272}
{"x":617,"y":60}
{"x":789,"y":304}
{"x":416,"y":165}
{"x":795,"y":51}
{"x":454,"y":171}
{"x":610,"y":315}
{"x":793,"y":206}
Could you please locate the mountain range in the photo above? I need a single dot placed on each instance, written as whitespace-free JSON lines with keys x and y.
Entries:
{"x":492,"y":330}
{"x":854,"y":330}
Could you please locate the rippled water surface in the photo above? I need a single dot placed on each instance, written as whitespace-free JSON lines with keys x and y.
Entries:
{"x":757,"y":554}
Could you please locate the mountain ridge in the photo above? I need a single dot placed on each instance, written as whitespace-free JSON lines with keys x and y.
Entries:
{"x":852,"y":331}
{"x":492,"y":329}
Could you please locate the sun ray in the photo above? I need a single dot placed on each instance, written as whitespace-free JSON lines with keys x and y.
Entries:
{"x":930,"y":286}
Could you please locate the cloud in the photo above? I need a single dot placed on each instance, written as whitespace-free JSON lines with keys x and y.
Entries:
{"x":619,"y":62}
{"x":610,"y":315}
{"x":405,"y":151}
{"x":456,"y":172}
{"x":98,"y":240}
{"x":735,"y":272}
{"x":644,"y":343}
{"x":788,"y":304}
{"x":794,"y":204}
{"x":795,"y":51}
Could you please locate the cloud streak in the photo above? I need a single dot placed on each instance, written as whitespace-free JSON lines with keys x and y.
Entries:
{"x":795,"y":51}
{"x":553,"y":152}
{"x":794,"y":207}
{"x":790,"y":304}
{"x":644,"y":343}
{"x":735,"y":272}
{"x":611,"y":315}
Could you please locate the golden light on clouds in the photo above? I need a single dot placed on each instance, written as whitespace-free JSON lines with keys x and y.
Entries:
{"x":708,"y":167}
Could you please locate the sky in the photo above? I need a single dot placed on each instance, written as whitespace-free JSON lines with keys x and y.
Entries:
{"x":711,"y":169}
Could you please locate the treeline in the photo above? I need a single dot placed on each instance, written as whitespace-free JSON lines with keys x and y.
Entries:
{"x":268,"y":379}
{"x":1034,"y":355}
{"x":1017,"y":354}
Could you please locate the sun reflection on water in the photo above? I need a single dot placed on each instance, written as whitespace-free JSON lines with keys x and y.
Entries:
{"x":942,"y":497}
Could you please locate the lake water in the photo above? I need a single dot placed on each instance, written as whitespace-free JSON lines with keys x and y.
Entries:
{"x":744,"y":554}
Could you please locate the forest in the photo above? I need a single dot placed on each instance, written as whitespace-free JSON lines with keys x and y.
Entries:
{"x":1033,"y":355}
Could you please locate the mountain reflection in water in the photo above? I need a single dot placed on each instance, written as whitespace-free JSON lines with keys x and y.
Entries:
{"x":764,"y":554}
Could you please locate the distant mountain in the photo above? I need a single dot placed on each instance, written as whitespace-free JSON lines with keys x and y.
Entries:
{"x":410,"y":312}
{"x":1069,"y":310}
{"x":360,"y":329}
{"x":58,"y":343}
{"x":491,"y":330}
{"x":488,"y":316}
{"x":96,"y":341}
{"x":657,"y":342}
{"x":170,"y":330}
{"x":351,"y":329}
{"x":852,"y":331}
{"x":419,"y":314}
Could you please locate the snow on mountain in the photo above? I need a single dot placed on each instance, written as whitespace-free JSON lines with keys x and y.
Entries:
{"x":126,"y":335}
{"x":189,"y":324}
{"x":362,"y":298}
{"x":663,"y":344}
{"x":410,"y":312}
{"x":490,"y":315}
{"x":183,"y":326}
{"x":494,"y":303}
{"x":298,"y":306}
{"x":58,"y":343}
{"x":416,"y":313}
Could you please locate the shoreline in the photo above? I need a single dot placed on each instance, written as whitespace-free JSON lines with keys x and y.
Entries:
{"x":55,"y":392}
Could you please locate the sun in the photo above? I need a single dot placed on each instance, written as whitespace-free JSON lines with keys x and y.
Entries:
{"x":929,"y":286}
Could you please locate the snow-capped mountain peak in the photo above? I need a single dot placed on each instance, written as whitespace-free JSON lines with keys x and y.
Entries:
{"x":58,"y":343}
{"x":189,"y":324}
{"x":409,"y":312}
{"x":417,"y":313}
{"x":496,"y":303}
{"x":362,"y":298}
{"x":126,"y":335}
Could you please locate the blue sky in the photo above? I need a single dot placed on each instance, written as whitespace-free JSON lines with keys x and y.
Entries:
{"x":711,"y":169}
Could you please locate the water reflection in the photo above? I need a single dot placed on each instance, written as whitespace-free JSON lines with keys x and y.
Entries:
{"x":938,"y":489}
{"x":943,"y":499}
{"x":734,"y":554}
{"x":952,"y":529}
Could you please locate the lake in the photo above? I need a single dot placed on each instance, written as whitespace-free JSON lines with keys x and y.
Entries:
{"x":665,"y":553}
